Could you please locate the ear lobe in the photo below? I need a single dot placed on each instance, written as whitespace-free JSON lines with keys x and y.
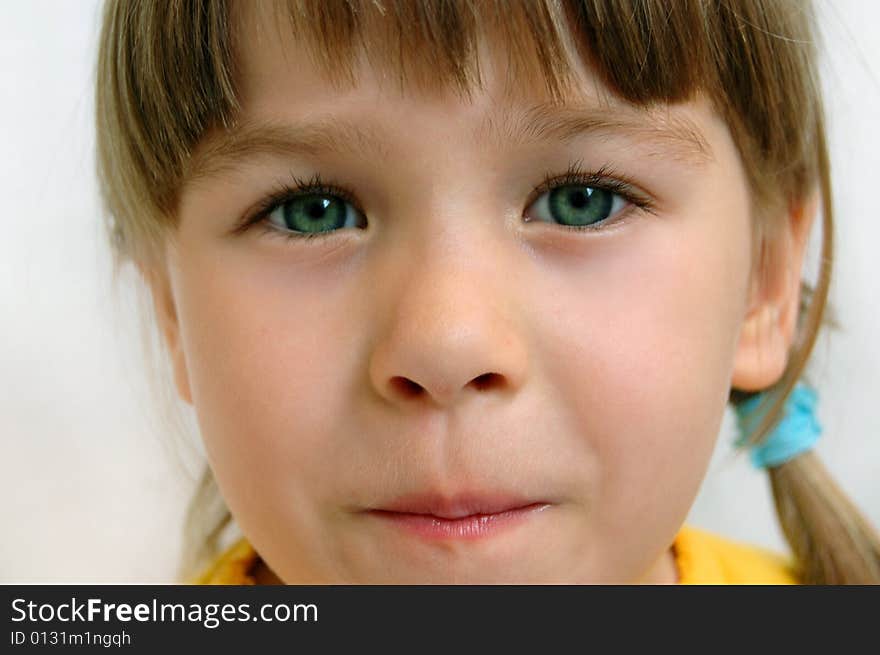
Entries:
{"x":762,"y":353}
{"x":169,"y":327}
{"x":768,"y":329}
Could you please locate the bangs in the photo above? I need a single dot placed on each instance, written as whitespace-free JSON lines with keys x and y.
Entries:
{"x":432,"y":45}
{"x":644,"y":51}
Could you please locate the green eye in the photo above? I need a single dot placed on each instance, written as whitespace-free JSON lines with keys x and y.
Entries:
{"x":313,"y":213}
{"x":577,"y":205}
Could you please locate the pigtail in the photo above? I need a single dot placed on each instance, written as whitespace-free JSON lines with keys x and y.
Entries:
{"x":206,"y":521}
{"x":832,"y":541}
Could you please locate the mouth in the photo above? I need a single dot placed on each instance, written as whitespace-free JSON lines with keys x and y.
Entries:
{"x":466,"y":516}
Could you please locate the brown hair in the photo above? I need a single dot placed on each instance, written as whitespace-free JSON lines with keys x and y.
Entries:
{"x":166,"y":75}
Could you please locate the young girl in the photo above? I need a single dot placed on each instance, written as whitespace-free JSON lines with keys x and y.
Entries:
{"x":459,"y":291}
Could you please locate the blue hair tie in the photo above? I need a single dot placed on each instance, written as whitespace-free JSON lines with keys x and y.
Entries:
{"x":796,"y":432}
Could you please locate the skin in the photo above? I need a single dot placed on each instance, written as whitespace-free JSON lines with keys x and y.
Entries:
{"x":612,"y":352}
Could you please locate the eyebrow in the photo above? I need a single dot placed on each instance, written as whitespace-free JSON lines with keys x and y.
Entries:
{"x":666,"y":134}
{"x":676,"y":136}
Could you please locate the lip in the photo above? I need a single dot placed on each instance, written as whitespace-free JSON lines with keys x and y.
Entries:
{"x":458,"y":506}
{"x":464,"y":516}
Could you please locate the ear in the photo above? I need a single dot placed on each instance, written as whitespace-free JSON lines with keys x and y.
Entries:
{"x":164,"y":306}
{"x":770,"y":321}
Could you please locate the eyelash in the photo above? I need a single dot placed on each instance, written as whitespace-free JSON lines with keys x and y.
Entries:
{"x":604,"y":178}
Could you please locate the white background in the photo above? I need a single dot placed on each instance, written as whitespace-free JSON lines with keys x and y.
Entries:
{"x":90,"y":491}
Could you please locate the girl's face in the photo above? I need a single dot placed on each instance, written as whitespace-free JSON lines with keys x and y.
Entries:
{"x":450,"y":338}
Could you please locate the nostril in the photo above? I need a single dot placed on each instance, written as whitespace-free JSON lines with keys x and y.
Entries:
{"x":406,"y":386}
{"x":485,"y":380}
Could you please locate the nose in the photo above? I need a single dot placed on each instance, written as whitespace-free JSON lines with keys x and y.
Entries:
{"x":453,"y":329}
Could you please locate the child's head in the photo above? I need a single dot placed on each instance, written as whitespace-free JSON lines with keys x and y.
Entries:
{"x":450,"y":330}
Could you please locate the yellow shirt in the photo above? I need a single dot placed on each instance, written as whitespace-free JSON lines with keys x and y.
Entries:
{"x":700,"y":556}
{"x":706,"y":558}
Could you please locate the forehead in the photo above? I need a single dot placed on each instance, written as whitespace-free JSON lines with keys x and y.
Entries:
{"x":291,"y":105}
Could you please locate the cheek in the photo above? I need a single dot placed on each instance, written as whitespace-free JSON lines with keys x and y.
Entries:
{"x":263,"y":358}
{"x":643,"y":338}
